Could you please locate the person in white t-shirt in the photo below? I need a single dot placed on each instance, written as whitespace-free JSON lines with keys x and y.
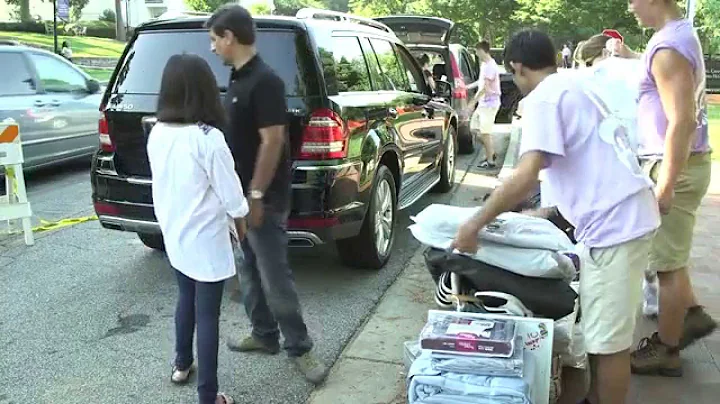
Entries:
{"x":200,"y":206}
{"x":597,"y":187}
{"x":566,"y":54}
{"x":488,"y":102}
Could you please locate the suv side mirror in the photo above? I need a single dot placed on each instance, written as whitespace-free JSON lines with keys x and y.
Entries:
{"x":93,"y":86}
{"x":443,"y":89}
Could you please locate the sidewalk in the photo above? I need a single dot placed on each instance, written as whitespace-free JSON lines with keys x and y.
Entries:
{"x":371,"y":369}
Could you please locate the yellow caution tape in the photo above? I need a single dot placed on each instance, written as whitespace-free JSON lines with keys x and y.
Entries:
{"x":47,"y":225}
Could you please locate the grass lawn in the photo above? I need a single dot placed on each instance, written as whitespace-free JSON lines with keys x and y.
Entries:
{"x":714,"y":126}
{"x":101,"y":75}
{"x":82,"y":46}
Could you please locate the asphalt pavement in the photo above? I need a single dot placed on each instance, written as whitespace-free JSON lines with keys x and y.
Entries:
{"x":86,"y":314}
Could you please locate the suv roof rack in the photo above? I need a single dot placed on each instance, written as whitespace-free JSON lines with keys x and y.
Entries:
{"x":320,"y":14}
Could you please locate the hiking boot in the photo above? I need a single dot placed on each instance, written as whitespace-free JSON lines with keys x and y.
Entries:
{"x":652,"y":357}
{"x":252,"y":344}
{"x":698,"y":325}
{"x":313,"y":370}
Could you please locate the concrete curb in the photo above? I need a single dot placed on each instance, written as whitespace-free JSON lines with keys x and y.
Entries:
{"x":513,"y":151}
{"x":371,"y":369}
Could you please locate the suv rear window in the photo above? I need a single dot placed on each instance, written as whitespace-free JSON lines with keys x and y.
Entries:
{"x":146,"y":59}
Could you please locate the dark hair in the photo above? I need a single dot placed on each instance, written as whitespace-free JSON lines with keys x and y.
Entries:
{"x":424,"y":59}
{"x":484,"y":45}
{"x":236,"y":19}
{"x":65,"y":44}
{"x":189,"y":93}
{"x":532,"y":48}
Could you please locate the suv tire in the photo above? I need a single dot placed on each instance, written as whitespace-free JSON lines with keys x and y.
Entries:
{"x":447,"y":164}
{"x":154,"y":241}
{"x":365,"y":250}
{"x":467,"y":143}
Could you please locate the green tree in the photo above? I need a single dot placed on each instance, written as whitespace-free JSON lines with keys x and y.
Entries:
{"x":206,"y":5}
{"x":579,"y":19}
{"x":260,"y":9}
{"x":291,"y":7}
{"x":708,"y":25}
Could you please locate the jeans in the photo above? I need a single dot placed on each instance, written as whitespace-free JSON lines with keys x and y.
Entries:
{"x":268,"y":289}
{"x":199,"y":302}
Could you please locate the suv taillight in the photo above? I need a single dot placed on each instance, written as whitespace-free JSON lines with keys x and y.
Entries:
{"x":324,"y":137}
{"x":459,"y":88}
{"x":106,"y":143}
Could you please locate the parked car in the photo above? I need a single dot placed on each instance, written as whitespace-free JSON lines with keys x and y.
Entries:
{"x":54,"y":102}
{"x":367,"y":135}
{"x":455,"y":63}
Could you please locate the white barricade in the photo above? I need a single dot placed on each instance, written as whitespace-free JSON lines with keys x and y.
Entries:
{"x":16,"y":205}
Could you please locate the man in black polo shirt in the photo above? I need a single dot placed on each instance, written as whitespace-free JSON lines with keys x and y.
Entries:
{"x":256,"y":106}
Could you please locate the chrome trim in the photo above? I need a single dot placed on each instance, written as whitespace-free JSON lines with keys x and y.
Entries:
{"x":305,"y":235}
{"x":132,"y":225}
{"x":56,"y":139}
{"x":333,"y":167}
{"x":139,"y":181}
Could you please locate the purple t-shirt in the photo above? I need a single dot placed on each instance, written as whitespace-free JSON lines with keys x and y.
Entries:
{"x":490,"y":74}
{"x":680,"y":36}
{"x":584,"y":177}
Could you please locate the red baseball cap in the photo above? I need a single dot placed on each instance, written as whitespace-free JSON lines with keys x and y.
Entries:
{"x":613,"y":34}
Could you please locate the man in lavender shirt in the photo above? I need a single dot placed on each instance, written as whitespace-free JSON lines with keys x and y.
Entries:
{"x":673,"y":129}
{"x":591,"y":182}
{"x":488,"y":101}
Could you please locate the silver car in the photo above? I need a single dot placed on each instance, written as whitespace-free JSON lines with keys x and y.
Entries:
{"x":54,"y":102}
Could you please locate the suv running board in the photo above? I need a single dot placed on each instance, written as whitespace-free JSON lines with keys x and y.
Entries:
{"x":426,"y":183}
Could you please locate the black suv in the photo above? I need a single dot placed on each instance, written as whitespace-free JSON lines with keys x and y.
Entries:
{"x":368,"y":137}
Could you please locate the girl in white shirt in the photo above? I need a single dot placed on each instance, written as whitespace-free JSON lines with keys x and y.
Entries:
{"x":198,"y":201}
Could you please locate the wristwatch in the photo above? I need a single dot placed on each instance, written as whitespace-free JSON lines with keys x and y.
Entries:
{"x":256,"y":194}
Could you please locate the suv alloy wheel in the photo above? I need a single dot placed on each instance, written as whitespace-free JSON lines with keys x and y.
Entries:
{"x":447,"y":168}
{"x":372,"y":247}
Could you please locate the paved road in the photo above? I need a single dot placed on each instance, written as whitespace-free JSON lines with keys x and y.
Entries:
{"x":86,"y":315}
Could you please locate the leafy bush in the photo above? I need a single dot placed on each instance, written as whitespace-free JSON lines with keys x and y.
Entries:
{"x":108,"y":16}
{"x":29,"y":26}
{"x":100,"y":29}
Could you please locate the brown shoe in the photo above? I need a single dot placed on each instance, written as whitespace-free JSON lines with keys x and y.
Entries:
{"x":698,"y":325}
{"x":252,"y":344}
{"x":652,"y":357}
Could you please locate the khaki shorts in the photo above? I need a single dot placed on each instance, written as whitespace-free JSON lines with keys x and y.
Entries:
{"x":671,"y":247}
{"x":610,"y":292}
{"x":483,"y":119}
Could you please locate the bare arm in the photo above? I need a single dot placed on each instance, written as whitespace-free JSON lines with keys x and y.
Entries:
{"x":675,"y":81}
{"x":272,"y":141}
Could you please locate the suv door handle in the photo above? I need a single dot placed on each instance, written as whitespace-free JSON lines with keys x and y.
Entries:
{"x":55,"y":103}
{"x":39,"y":103}
{"x":392,"y":113}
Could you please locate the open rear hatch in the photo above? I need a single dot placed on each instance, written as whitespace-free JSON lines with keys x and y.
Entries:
{"x":415,"y":30}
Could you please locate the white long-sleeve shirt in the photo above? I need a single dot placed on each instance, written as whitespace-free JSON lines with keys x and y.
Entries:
{"x":196,"y":194}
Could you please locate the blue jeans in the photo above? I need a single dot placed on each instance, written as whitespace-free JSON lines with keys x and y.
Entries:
{"x":268,"y":288}
{"x":199,"y":302}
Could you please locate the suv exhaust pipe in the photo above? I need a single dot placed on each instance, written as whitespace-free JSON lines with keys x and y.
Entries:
{"x":303,"y":239}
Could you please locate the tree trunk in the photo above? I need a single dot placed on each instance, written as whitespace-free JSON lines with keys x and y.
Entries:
{"x":120,"y":32}
{"x":25,"y":10}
